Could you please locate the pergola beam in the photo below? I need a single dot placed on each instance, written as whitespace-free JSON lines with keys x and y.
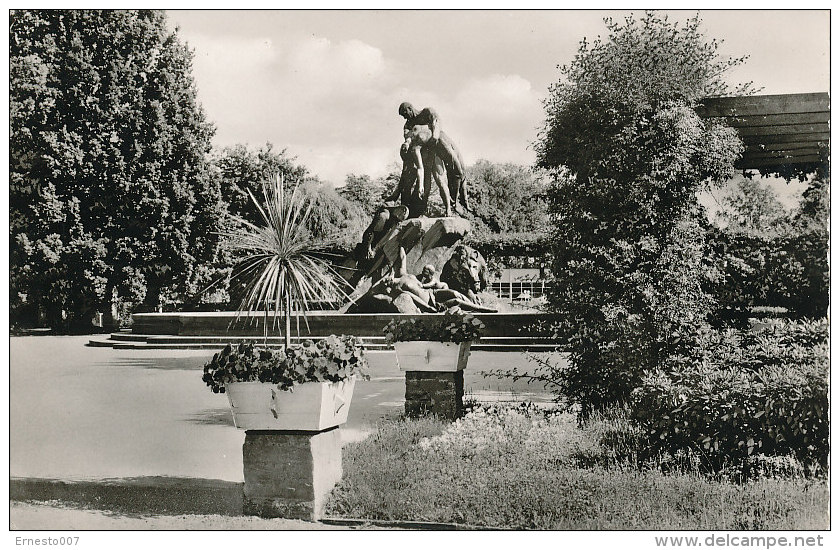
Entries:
{"x":777,"y":130}
{"x":759,"y":105}
{"x":769,"y":162}
{"x":812,"y":137}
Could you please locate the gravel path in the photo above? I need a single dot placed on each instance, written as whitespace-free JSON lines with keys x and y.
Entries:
{"x":29,"y":516}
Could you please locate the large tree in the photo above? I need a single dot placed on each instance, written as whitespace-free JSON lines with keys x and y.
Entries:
{"x":243,"y":169}
{"x":110,"y":197}
{"x":506,"y":199}
{"x":629,"y":155}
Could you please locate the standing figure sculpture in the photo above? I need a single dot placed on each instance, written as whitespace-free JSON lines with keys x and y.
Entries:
{"x":405,"y":202}
{"x":408,"y":188}
{"x":441,"y":160}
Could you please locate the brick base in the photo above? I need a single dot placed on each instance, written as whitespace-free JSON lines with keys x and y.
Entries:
{"x":437,"y":393}
{"x":290,"y":474}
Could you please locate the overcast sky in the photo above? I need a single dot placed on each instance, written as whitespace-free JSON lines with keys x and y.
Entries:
{"x":326,"y":84}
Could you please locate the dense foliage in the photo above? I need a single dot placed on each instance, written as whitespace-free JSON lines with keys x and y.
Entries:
{"x":769,"y":256}
{"x":331,"y":359}
{"x":110,"y":197}
{"x":629,"y":155}
{"x":242,"y":169}
{"x":506,"y":199}
{"x":504,"y":245}
{"x":368,"y":193}
{"x":788,"y":271}
{"x":755,"y":392}
{"x":449,"y":327}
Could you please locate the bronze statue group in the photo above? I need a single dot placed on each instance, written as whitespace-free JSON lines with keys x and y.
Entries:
{"x":425,"y":294}
{"x":427,"y":154}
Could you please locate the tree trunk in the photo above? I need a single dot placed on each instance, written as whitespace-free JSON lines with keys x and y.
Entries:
{"x":288,"y":319}
{"x":110,"y":319}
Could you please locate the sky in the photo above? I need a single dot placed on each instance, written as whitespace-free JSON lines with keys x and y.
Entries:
{"x":325,"y":85}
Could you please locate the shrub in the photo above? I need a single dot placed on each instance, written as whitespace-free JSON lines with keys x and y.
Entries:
{"x":764,"y":392}
{"x":630,"y":155}
{"x":789,"y":271}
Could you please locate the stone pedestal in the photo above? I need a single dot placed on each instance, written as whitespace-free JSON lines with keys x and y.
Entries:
{"x":290,"y":474}
{"x":425,"y":241}
{"x":437,"y":393}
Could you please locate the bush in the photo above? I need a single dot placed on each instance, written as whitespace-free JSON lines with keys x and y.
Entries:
{"x":789,"y":271}
{"x":519,"y":468}
{"x":630,"y":155}
{"x":763,"y":392}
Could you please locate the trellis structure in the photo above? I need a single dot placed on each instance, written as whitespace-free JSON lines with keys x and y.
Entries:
{"x":777,"y":130}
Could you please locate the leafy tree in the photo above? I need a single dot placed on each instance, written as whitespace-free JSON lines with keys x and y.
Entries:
{"x":629,"y":155}
{"x":813,"y":210}
{"x":752,"y":208}
{"x":333,"y":216}
{"x":506,"y":198}
{"x":110,"y":197}
{"x":769,"y":256}
{"x":367,"y":193}
{"x":242,"y":169}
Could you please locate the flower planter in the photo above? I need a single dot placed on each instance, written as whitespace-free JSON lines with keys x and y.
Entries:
{"x":430,"y":356}
{"x":314,"y":406}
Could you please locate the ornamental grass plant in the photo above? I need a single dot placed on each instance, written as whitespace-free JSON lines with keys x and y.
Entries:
{"x":279,"y":270}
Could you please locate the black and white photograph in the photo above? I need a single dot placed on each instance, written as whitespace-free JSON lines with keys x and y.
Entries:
{"x":562,"y":272}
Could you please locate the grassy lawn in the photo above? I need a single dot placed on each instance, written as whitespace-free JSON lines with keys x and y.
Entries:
{"x":518,"y":469}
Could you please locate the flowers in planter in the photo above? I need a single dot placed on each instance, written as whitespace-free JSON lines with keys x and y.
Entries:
{"x":331,"y":359}
{"x":451,"y":327}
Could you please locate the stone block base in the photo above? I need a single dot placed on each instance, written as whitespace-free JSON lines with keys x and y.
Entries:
{"x":290,"y":474}
{"x":437,"y":393}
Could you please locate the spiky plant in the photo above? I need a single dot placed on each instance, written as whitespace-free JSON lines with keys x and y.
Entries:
{"x":278,"y":270}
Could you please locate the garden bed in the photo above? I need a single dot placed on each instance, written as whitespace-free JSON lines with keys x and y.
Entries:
{"x":522,"y":469}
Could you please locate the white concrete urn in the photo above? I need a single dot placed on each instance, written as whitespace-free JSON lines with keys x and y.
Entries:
{"x":313,"y":406}
{"x":431,"y":356}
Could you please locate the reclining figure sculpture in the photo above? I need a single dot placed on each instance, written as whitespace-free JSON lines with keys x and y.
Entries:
{"x":404,"y":292}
